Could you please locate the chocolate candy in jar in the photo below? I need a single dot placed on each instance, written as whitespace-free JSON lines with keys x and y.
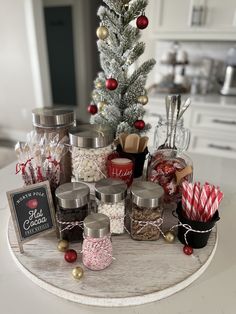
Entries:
{"x":91,"y":146}
{"x":110,"y":195}
{"x":146,"y":212}
{"x":170,"y":169}
{"x":56,"y":121}
{"x":73,"y":205}
{"x":97,"y":246}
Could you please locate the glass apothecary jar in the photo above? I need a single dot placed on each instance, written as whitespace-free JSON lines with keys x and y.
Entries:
{"x":171,"y":134}
{"x":72,"y":208}
{"x":146,"y":212}
{"x":110,"y":196}
{"x":97,"y":246}
{"x":169,"y":169}
{"x":58,"y":122}
{"x":91,"y":144}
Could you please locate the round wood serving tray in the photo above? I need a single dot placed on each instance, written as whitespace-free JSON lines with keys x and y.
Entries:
{"x":142,"y":272}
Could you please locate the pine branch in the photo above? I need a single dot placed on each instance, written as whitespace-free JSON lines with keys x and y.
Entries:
{"x":137,"y":51}
{"x":135,"y":9}
{"x":109,"y":52}
{"x":143,"y":70}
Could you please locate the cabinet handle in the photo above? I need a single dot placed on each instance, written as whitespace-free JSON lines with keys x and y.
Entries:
{"x":228,"y":148}
{"x":224,"y":122}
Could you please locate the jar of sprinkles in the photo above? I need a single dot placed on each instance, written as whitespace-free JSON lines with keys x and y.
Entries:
{"x":146,"y":213}
{"x":72,"y":208}
{"x":57,"y":121}
{"x":110,"y":195}
{"x":97,"y":247}
{"x":91,"y":145}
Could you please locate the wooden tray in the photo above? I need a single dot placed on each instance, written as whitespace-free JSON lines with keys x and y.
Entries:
{"x":142,"y":272}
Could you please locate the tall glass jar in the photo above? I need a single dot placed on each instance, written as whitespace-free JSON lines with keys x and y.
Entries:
{"x":110,"y":195}
{"x":56,"y":121}
{"x":72,"y":208}
{"x":91,"y":146}
{"x":97,"y":247}
{"x":171,"y":134}
{"x":146,"y":213}
{"x":169,"y":169}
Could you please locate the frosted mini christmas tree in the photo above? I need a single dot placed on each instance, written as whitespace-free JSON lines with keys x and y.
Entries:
{"x":119,"y":95}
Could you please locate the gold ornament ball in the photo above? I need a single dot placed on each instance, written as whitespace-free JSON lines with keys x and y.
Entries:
{"x":99,"y":84}
{"x":102,"y":32}
{"x":169,"y":236}
{"x":143,"y":99}
{"x":101,"y":105}
{"x":77,"y":272}
{"x":63,"y":245}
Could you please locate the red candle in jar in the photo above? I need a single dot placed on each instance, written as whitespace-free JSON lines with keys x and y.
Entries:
{"x":121,"y":168}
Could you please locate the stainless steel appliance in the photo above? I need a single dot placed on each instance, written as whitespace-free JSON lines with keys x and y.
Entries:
{"x":229,"y":87}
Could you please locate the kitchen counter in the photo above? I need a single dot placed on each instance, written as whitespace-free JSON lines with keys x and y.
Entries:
{"x":214,"y":292}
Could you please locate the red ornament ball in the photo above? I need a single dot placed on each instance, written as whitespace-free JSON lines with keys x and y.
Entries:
{"x":142,"y":22}
{"x":111,"y":83}
{"x":188,"y":250}
{"x":139,"y":124}
{"x":70,"y":256}
{"x":93,"y":109}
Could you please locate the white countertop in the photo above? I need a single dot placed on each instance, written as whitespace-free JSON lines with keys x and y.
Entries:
{"x":214,"y":292}
{"x":200,"y":100}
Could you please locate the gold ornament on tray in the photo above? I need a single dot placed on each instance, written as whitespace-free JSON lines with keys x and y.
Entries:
{"x":102,"y":32}
{"x":77,"y":272}
{"x":101,"y":105}
{"x":63,"y":245}
{"x":169,"y":236}
{"x":143,"y":99}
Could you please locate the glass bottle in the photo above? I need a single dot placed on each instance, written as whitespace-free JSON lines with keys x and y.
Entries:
{"x":110,"y":195}
{"x":97,"y":246}
{"x":146,"y":212}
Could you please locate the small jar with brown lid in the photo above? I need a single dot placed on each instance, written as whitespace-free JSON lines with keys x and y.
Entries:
{"x":146,"y":212}
{"x":72,"y":209}
{"x":57,"y":121}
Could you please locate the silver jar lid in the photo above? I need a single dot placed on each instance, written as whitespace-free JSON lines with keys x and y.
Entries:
{"x":110,"y":190}
{"x":96,"y":225}
{"x":72,"y":195}
{"x":146,"y":194}
{"x":91,"y":136}
{"x":49,"y":117}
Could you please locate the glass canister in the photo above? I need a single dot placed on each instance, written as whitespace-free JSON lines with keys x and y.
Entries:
{"x":72,"y":208}
{"x":169,"y":169}
{"x":171,"y":134}
{"x":110,"y":195}
{"x":91,"y":146}
{"x":146,"y":212}
{"x":97,"y":247}
{"x":57,"y":121}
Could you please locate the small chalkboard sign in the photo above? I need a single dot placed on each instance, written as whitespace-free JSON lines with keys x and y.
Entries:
{"x":32,"y":211}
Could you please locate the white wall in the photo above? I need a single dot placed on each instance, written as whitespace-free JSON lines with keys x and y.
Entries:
{"x":17,"y":94}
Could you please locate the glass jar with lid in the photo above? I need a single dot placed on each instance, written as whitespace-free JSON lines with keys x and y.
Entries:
{"x":72,"y":208}
{"x":146,"y":212}
{"x":97,"y":246}
{"x":57,"y":121}
{"x":110,"y":195}
{"x":91,"y":146}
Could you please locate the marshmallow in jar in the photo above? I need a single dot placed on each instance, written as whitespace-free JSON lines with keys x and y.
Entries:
{"x":91,"y":145}
{"x":110,"y":195}
{"x":97,"y":246}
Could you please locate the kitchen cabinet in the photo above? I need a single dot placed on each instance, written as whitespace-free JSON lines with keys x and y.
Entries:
{"x":211,"y":120}
{"x":193,"y":20}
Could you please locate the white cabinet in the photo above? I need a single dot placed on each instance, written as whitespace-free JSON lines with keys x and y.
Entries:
{"x":193,"y":20}
{"x":211,"y":120}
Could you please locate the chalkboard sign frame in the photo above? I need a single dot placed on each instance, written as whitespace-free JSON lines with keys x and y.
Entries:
{"x":29,"y":189}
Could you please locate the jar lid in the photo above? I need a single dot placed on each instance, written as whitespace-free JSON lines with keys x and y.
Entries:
{"x":72,"y":195}
{"x":48,"y":117}
{"x":146,"y":194}
{"x":110,"y":190}
{"x":96,"y":225}
{"x":91,"y":136}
